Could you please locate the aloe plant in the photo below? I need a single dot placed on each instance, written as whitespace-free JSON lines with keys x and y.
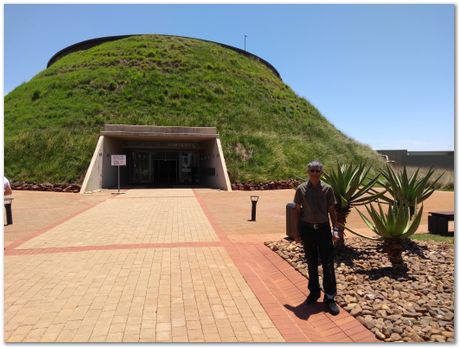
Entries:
{"x":351,"y":188}
{"x":405,"y":190}
{"x":391,"y":227}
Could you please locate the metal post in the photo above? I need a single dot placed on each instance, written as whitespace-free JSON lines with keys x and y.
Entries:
{"x":253,"y":211}
{"x":118,"y":179}
{"x":245,"y":36}
{"x":254,"y":200}
{"x":9,"y":214}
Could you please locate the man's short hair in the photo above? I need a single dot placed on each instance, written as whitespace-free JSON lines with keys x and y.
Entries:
{"x":315,"y":165}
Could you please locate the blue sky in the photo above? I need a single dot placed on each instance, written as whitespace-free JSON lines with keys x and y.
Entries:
{"x":382,"y":74}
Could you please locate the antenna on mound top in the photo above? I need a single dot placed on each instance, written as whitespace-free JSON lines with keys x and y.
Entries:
{"x":245,"y":36}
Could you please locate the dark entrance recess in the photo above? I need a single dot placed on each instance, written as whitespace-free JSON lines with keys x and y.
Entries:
{"x":157,"y":156}
{"x":140,"y":168}
{"x":163,"y":168}
{"x":165,"y":172}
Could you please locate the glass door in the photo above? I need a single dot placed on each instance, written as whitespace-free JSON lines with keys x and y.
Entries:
{"x":141,"y":173}
{"x":188,"y":168}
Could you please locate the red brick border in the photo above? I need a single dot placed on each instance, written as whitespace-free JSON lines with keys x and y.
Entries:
{"x":51,"y":250}
{"x":212,"y":220}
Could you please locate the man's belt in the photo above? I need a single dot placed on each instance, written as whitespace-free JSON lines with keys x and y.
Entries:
{"x":316,"y":226}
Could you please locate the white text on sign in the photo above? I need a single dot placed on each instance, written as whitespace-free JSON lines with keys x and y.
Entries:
{"x":118,"y":160}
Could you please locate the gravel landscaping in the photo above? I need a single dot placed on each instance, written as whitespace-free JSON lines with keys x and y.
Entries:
{"x":412,"y":305}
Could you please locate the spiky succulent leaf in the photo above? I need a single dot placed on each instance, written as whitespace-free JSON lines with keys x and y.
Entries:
{"x":395,"y":223}
{"x":362,"y":235}
{"x":351,"y":185}
{"x":413,"y":227}
{"x":407,"y":190}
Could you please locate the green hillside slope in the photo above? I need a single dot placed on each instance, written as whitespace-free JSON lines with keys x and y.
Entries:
{"x":53,"y":121}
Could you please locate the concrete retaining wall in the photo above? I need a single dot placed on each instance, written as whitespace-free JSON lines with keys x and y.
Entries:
{"x":93,"y":178}
{"x":435,"y":159}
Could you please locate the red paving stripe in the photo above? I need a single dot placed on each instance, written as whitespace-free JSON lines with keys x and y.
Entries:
{"x":215,"y":225}
{"x":285,"y":323}
{"x":291,"y":328}
{"x":344,"y":320}
{"x":365,"y":336}
{"x":356,"y":329}
{"x":45,"y":229}
{"x":351,"y":325}
{"x":328,"y":324}
{"x":35,"y":251}
{"x":150,"y":197}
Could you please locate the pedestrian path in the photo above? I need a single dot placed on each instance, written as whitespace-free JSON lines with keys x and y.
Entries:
{"x":154,"y":266}
{"x":146,"y":295}
{"x":140,"y":216}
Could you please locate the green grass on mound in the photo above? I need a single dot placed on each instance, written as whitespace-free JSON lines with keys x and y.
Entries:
{"x":52,"y":122}
{"x":449,"y":239}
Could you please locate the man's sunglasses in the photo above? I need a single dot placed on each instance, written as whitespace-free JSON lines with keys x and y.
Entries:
{"x":315,"y":171}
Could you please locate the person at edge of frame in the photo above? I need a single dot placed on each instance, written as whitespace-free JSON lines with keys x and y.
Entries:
{"x":6,"y":187}
{"x":317,"y":200}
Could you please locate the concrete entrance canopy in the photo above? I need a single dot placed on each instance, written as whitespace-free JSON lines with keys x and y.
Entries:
{"x":158,"y":157}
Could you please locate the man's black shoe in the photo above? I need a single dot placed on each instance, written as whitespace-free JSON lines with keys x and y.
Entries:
{"x":331,"y":307}
{"x":312,"y":298}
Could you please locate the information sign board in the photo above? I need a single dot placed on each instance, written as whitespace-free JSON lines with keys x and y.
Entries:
{"x":118,"y":160}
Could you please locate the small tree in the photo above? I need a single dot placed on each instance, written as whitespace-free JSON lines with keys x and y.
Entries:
{"x":403,"y":216}
{"x":392,"y":228}
{"x":351,"y":188}
{"x":405,"y":190}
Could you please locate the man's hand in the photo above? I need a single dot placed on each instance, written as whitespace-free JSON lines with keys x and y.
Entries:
{"x":296,"y":223}
{"x":335,"y":235}
{"x":296,"y":236}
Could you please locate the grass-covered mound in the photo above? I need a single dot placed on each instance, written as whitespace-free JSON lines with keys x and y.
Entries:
{"x":52,"y":122}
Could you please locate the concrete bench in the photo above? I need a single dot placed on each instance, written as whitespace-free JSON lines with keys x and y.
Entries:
{"x":7,"y":201}
{"x":438,"y":221}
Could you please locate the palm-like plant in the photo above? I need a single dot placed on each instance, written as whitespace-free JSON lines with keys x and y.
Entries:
{"x":391,"y":227}
{"x":351,"y":188}
{"x":405,"y":190}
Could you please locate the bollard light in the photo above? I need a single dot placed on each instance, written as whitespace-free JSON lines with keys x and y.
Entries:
{"x":254,"y":200}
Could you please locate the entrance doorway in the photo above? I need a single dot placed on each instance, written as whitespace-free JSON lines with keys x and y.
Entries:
{"x":141,"y":173}
{"x":164,"y":172}
{"x":163,"y":168}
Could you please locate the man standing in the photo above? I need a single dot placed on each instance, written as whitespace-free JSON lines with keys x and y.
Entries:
{"x":317,"y":200}
{"x":6,"y":187}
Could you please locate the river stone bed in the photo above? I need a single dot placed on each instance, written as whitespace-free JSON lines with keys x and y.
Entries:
{"x":411,"y":306}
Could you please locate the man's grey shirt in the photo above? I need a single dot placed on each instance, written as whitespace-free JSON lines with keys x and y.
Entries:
{"x":315,"y":201}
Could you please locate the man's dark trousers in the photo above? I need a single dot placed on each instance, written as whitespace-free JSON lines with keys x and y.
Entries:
{"x":319,"y":241}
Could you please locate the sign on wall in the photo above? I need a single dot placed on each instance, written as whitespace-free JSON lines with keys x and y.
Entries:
{"x":118,"y":160}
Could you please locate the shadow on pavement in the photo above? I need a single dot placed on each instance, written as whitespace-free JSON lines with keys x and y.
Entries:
{"x":304,"y":310}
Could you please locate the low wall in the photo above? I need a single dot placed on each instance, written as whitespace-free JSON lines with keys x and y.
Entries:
{"x":435,"y":159}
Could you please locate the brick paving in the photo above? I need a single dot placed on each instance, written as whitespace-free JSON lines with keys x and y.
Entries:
{"x":136,"y":217}
{"x":137,"y":295}
{"x":35,"y":211}
{"x":157,"y":266}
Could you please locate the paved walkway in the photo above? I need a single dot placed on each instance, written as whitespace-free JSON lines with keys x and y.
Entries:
{"x":156,"y":266}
